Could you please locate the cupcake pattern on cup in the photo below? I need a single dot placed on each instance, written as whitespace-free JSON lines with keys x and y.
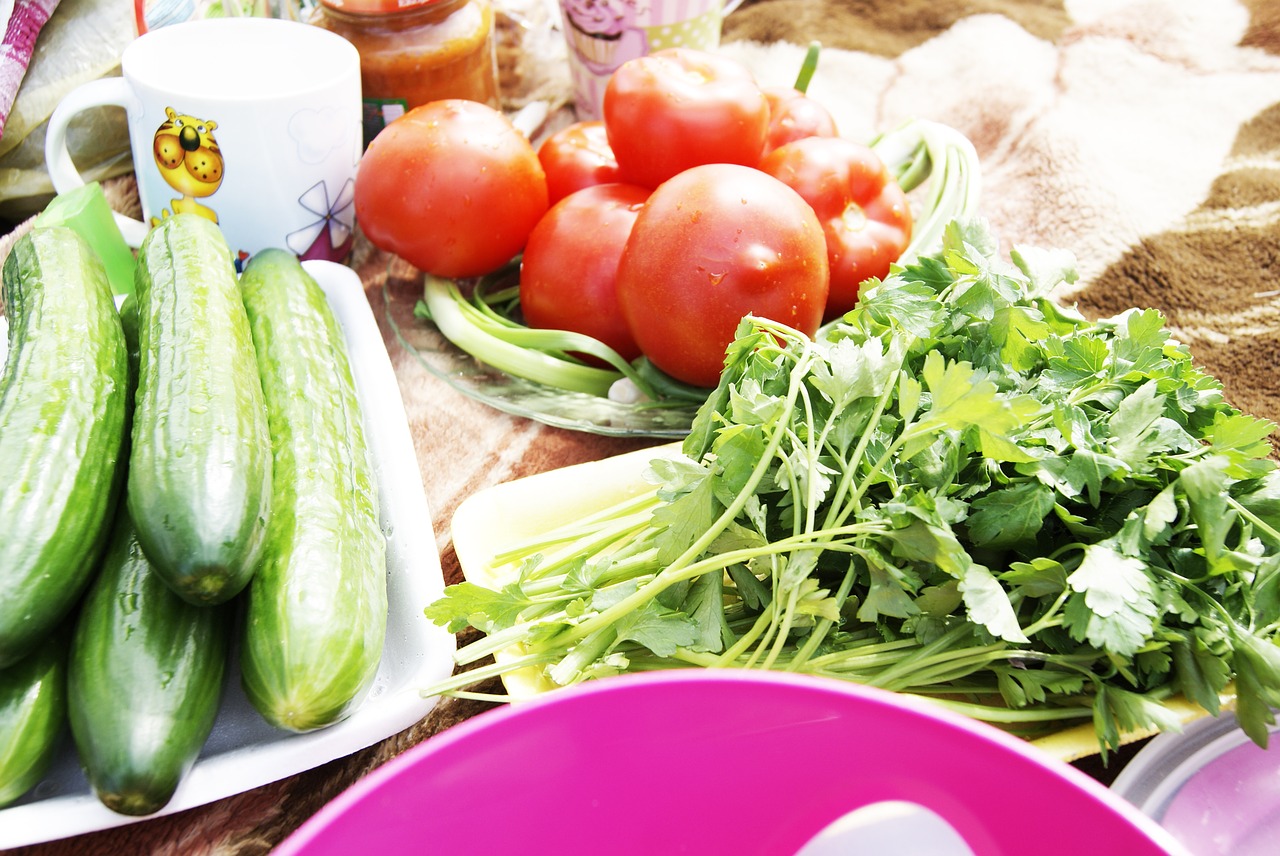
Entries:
{"x":603,"y":34}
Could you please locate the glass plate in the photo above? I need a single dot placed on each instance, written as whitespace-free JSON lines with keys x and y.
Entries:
{"x":402,"y":289}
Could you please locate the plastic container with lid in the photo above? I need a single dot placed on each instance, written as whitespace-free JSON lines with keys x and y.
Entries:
{"x":416,"y":51}
{"x":1210,"y":786}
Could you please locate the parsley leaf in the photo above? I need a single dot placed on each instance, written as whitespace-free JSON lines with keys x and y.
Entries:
{"x":1011,"y":516}
{"x":466,"y":604}
{"x":1113,"y":606}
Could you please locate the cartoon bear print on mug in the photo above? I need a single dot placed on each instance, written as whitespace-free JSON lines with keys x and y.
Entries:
{"x":189,"y":161}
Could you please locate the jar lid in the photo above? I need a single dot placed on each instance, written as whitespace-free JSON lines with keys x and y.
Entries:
{"x":376,"y":7}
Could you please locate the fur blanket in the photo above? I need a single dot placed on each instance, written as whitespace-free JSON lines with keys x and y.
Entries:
{"x":1143,"y":135}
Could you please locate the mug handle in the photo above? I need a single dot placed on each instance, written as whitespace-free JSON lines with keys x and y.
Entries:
{"x":107,"y":91}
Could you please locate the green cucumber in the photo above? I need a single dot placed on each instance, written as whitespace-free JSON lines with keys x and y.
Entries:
{"x":144,"y":679}
{"x":317,"y":606}
{"x":200,"y":466}
{"x":62,"y":427}
{"x":129,"y":322}
{"x":33,"y":716}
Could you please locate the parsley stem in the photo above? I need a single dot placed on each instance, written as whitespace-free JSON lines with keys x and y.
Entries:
{"x":628,"y":515}
{"x":944,"y":667}
{"x":471,"y":695}
{"x":823,"y":626}
{"x":840,"y":513}
{"x":1258,"y":522}
{"x":864,"y":654}
{"x":493,"y":642}
{"x":775,"y":634}
{"x":855,"y":499}
{"x":1050,"y":618}
{"x":923,"y":653}
{"x":678,"y":569}
{"x":492,"y":670}
{"x":995,"y":713}
{"x":717,"y":562}
{"x":590,"y":649}
{"x":746,"y":640}
{"x":637,"y":562}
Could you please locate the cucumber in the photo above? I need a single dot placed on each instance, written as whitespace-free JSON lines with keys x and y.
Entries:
{"x":33,"y":716}
{"x":200,"y":464}
{"x":129,"y":323}
{"x":145,"y":677}
{"x":316,"y":609}
{"x":62,"y":428}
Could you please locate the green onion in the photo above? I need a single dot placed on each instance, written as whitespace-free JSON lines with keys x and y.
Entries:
{"x":921,"y":150}
{"x":476,"y":333}
{"x":808,"y":67}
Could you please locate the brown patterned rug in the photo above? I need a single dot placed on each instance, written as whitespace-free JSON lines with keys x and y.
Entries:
{"x":1143,"y":135}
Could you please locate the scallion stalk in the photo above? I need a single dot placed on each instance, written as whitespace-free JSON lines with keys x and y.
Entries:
{"x":922,"y":150}
{"x":470,"y":331}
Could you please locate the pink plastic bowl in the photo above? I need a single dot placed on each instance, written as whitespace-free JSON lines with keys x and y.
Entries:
{"x":717,"y":761}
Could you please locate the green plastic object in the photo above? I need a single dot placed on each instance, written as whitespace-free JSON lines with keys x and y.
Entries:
{"x":85,"y":209}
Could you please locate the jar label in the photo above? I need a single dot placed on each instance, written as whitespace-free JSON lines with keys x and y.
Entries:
{"x":380,"y":112}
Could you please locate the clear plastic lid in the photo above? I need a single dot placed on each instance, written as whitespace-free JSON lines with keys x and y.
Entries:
{"x":1211,"y":787}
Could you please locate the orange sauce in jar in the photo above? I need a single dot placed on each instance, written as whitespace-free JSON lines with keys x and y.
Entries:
{"x":416,"y":51}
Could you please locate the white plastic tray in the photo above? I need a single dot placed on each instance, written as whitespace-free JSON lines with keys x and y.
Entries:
{"x":244,"y":752}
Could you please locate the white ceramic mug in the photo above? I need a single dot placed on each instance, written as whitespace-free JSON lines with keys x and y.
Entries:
{"x":252,"y":122}
{"x":603,"y":34}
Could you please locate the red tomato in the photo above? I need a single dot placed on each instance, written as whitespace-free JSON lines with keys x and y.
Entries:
{"x":864,"y":213}
{"x":793,"y":115}
{"x":678,"y":108}
{"x":575,"y":157}
{"x":568,"y":278}
{"x":451,"y":187}
{"x":711,"y":245}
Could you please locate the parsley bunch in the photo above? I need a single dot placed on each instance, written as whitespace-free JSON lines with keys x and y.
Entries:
{"x":959,"y":490}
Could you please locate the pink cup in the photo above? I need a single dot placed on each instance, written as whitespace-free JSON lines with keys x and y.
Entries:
{"x":603,"y":34}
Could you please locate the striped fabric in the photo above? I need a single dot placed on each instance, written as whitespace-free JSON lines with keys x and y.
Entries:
{"x":23,"y":28}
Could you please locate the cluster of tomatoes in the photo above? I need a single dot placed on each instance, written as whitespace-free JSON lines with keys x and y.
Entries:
{"x":699,"y":198}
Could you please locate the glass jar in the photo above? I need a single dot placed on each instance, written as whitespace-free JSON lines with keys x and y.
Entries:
{"x":416,"y":51}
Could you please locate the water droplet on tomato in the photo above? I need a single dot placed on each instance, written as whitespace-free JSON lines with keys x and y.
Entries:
{"x":713,"y":277}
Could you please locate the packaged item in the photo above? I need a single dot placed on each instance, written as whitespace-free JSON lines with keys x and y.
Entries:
{"x":81,"y":41}
{"x":415,"y":52}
